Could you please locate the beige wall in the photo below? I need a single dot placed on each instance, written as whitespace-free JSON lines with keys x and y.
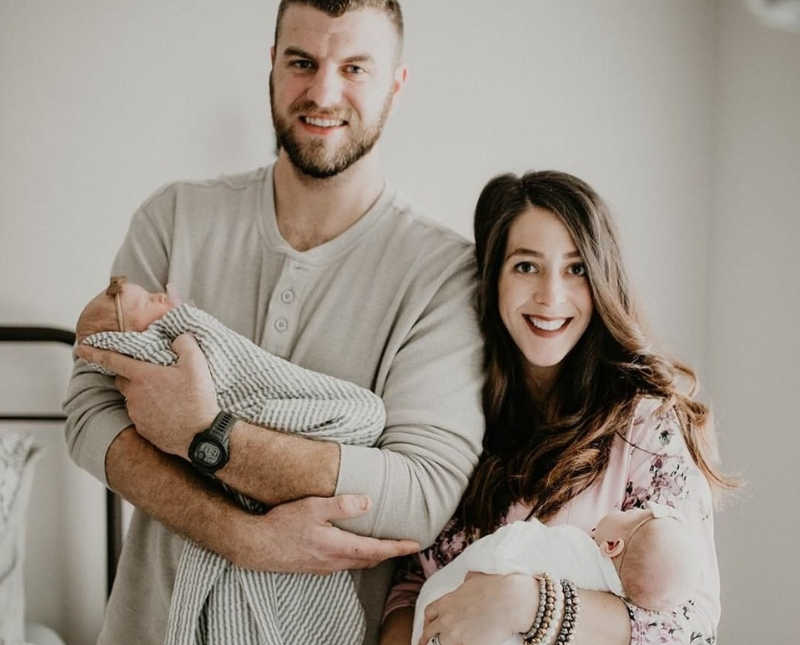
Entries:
{"x":754,"y":318}
{"x":104,"y":101}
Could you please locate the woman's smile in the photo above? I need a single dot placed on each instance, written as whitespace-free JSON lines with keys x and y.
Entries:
{"x":546,"y":327}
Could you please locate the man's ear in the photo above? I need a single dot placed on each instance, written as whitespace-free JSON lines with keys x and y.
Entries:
{"x":398,"y":83}
{"x":612,"y":548}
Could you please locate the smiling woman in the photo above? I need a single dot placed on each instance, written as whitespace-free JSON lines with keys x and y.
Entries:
{"x":583,"y":417}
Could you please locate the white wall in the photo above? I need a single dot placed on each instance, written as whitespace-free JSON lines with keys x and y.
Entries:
{"x":754,"y":346}
{"x":105,"y":101}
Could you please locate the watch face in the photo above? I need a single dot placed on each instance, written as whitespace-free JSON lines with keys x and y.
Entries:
{"x":207,"y":453}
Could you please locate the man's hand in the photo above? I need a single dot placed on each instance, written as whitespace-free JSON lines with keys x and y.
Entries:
{"x":168,"y":405}
{"x":299,"y":537}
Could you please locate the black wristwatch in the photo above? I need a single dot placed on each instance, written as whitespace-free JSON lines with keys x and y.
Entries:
{"x":209,"y":450}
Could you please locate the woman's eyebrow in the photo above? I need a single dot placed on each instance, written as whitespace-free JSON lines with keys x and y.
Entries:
{"x":524,"y":251}
{"x":539,"y":254}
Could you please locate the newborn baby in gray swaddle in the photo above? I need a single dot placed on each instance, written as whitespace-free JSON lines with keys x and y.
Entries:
{"x":264,"y":390}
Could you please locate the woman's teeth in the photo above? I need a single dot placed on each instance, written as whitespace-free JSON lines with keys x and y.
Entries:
{"x":547,"y":325}
{"x":323,"y":123}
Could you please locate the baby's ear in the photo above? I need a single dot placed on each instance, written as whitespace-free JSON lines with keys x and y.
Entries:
{"x":612,"y":548}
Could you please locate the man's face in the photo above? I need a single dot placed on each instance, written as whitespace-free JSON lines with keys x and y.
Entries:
{"x":332,"y":86}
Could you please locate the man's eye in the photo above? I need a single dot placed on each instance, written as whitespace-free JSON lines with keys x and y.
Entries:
{"x":301,"y":63}
{"x":354,"y":69}
{"x":578,"y":269}
{"x":525,"y":267}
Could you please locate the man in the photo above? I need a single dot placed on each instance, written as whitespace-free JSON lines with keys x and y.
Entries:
{"x":318,"y":261}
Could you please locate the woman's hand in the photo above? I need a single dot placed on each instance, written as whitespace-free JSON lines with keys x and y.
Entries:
{"x":484,"y":610}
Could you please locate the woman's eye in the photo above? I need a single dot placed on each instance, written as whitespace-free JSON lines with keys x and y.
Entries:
{"x":525,"y":267}
{"x":578,"y":269}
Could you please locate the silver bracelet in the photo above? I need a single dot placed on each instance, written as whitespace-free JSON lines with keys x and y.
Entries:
{"x":572,"y":605}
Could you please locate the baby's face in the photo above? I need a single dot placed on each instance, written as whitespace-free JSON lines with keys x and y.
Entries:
{"x":141,"y":308}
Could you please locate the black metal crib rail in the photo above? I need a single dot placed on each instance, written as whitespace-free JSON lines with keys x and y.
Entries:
{"x":113,"y":505}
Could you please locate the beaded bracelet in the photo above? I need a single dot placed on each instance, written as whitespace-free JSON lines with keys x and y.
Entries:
{"x":572,"y":604}
{"x":549,"y":636}
{"x":544,"y":612}
{"x":546,"y":596}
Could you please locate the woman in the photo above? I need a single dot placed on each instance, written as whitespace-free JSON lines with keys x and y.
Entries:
{"x":582,"y":416}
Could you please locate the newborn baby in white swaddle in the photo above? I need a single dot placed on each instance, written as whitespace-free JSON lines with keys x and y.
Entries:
{"x":630,"y":554}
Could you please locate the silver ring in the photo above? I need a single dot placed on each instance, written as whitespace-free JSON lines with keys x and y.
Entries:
{"x":434,"y":640}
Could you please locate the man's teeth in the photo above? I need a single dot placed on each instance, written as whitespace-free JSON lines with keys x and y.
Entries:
{"x":547,"y":325}
{"x":323,"y":123}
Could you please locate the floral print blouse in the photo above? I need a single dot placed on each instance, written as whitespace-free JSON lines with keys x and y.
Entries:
{"x":650,"y":463}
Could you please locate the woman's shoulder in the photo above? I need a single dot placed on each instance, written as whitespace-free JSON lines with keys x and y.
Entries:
{"x":661,"y":468}
{"x":654,"y":427}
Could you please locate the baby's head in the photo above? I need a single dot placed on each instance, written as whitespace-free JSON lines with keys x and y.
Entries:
{"x":123,"y":306}
{"x":653,"y":553}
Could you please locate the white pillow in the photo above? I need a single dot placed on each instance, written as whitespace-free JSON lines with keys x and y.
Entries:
{"x":17,"y":456}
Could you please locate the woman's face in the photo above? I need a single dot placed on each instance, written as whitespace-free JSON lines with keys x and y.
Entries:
{"x":544,"y":297}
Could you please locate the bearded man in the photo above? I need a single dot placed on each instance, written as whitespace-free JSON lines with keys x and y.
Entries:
{"x":318,"y":260}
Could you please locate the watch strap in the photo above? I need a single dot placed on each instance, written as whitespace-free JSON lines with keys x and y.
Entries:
{"x":221,"y":427}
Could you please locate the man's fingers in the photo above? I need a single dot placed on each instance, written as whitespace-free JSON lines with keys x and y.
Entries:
{"x":121,"y":383}
{"x":117,"y":363}
{"x":343,"y":507}
{"x":186,"y":347}
{"x":368,"y":551}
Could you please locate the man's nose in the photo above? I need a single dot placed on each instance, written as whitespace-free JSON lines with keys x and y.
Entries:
{"x":326,"y":87}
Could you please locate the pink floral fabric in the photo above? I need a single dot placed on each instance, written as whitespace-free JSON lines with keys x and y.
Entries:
{"x":650,"y":463}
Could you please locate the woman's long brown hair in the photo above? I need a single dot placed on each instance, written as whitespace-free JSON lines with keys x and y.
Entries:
{"x":546,"y":454}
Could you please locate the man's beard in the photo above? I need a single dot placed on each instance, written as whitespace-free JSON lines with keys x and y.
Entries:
{"x":312,"y":158}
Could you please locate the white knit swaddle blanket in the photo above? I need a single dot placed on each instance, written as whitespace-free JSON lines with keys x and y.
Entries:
{"x":523,"y":547}
{"x":214,"y":601}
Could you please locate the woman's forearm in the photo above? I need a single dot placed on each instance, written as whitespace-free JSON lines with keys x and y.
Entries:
{"x":397,"y":627}
{"x":602,"y":620}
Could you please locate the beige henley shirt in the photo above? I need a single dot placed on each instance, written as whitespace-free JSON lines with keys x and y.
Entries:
{"x":388,"y":304}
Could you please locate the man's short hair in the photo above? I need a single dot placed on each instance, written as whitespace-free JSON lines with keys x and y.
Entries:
{"x":336,"y":8}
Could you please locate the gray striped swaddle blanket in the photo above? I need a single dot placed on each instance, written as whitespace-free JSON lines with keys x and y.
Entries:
{"x":214,"y":601}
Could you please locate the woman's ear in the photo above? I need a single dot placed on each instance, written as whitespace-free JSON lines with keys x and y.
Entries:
{"x":612,"y":548}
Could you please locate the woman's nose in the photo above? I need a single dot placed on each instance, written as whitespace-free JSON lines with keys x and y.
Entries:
{"x":549,"y":291}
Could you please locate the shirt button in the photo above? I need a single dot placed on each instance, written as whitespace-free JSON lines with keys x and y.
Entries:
{"x":287,"y":296}
{"x":281,"y":324}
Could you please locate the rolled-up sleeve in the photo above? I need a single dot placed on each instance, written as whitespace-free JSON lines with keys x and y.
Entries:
{"x":434,"y":420}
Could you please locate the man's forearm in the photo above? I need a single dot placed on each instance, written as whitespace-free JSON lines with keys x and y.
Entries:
{"x":275,"y":467}
{"x":170,"y":491}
